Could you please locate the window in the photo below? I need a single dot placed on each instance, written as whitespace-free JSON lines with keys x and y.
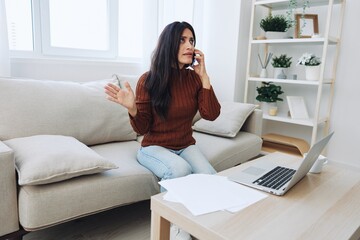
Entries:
{"x":69,"y":29}
{"x":79,"y":28}
{"x":112,"y":29}
{"x":98,"y":28}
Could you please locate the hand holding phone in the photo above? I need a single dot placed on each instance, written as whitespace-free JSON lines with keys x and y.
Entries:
{"x":199,"y":67}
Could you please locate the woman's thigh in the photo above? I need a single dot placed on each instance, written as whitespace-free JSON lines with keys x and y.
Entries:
{"x":163,"y":163}
{"x":197,"y":160}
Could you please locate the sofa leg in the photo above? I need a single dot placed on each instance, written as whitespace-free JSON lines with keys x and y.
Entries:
{"x":15,"y":235}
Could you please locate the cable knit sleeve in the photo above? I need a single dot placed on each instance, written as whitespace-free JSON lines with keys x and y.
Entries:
{"x":209,"y":106}
{"x":142,"y":121}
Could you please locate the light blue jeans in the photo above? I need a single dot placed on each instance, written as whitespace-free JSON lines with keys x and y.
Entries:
{"x":167,"y":163}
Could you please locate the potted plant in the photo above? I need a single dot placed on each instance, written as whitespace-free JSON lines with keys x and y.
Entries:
{"x":280,"y":63}
{"x":312,"y":65}
{"x":275,"y":26}
{"x":269,"y":94}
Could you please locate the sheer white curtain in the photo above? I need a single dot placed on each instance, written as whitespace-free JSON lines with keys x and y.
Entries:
{"x":150,"y":31}
{"x":4,"y":44}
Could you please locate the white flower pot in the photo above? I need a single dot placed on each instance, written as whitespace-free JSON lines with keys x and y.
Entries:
{"x":275,"y":35}
{"x":273,"y":110}
{"x":280,"y":73}
{"x":270,"y":108}
{"x":312,"y":72}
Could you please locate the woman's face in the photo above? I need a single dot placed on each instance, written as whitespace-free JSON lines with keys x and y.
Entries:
{"x":186,"y":48}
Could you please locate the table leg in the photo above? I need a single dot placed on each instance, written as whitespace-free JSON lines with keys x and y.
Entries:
{"x":160,"y":227}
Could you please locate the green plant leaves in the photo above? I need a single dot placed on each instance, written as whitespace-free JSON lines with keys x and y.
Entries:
{"x":269,"y":92}
{"x":277,"y":23}
{"x":283,"y":61}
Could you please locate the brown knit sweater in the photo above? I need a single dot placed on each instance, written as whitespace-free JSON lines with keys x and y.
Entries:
{"x":175,"y":132}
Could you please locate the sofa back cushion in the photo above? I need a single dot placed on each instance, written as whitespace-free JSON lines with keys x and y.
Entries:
{"x":81,"y":110}
{"x":232,"y":117}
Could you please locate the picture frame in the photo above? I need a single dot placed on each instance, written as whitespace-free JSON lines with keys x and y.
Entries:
{"x":307,"y":25}
{"x":297,"y":107}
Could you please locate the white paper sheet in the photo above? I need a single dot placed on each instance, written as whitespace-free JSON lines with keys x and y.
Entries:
{"x":203,"y":193}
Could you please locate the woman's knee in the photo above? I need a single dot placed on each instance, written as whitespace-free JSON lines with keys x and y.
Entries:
{"x":197,"y":160}
{"x":163,"y":163}
{"x":178,"y":169}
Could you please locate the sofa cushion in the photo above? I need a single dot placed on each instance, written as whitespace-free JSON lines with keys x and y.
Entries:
{"x":229,"y":122}
{"x":45,"y":159}
{"x":81,"y":110}
{"x":224,"y":152}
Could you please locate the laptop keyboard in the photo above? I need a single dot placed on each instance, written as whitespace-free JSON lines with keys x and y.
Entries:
{"x":276,"y":178}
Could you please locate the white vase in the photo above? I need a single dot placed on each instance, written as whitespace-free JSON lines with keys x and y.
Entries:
{"x":263,"y":73}
{"x":275,"y":35}
{"x":312,"y":72}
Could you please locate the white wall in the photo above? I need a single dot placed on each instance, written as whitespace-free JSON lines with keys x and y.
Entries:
{"x":72,"y":70}
{"x":220,"y":44}
{"x":345,"y":117}
{"x":224,"y":36}
{"x":243,"y":40}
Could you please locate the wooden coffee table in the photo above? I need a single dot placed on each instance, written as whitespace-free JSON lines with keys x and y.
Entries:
{"x":320,"y":206}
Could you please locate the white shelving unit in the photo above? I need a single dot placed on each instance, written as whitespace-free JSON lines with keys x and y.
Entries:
{"x":325,"y":43}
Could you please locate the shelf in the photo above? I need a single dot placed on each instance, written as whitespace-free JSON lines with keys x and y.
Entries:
{"x":282,"y":118}
{"x":289,"y":81}
{"x":304,"y":122}
{"x":300,"y":41}
{"x":284,"y":4}
{"x":319,"y":93}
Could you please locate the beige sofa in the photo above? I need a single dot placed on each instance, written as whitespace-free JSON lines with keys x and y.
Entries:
{"x":67,"y":152}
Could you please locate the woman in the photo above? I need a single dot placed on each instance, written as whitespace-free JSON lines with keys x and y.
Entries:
{"x":167,"y":99}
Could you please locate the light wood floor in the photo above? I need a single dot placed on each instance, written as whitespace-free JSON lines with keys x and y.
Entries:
{"x":130,"y":222}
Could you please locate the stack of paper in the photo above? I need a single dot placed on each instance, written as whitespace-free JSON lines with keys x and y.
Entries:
{"x":203,"y":193}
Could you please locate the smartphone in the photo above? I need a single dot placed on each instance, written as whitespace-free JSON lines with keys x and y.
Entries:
{"x":194,"y":62}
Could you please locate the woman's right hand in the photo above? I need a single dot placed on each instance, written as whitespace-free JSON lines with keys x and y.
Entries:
{"x":124,"y":97}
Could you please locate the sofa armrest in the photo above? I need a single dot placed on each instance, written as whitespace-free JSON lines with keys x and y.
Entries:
{"x":8,"y":197}
{"x":253,"y":123}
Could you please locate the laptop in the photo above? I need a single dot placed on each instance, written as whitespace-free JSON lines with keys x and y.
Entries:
{"x":276,"y":179}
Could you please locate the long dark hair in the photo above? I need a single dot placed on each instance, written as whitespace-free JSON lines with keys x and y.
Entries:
{"x":164,"y":64}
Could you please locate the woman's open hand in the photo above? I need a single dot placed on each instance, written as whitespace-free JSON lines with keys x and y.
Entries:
{"x":124,"y":97}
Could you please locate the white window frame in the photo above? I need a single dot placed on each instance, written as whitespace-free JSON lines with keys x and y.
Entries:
{"x":47,"y":49}
{"x":153,"y":23}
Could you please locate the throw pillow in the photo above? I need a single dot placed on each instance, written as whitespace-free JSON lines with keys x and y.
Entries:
{"x":81,"y":110}
{"x":43,"y":159}
{"x":229,"y":122}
